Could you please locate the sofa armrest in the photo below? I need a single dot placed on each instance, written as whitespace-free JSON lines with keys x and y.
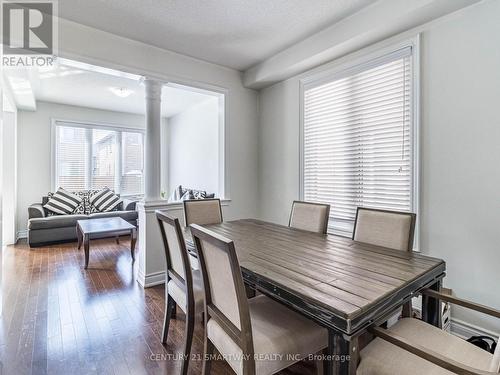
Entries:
{"x":36,"y":211}
{"x":128,"y":205}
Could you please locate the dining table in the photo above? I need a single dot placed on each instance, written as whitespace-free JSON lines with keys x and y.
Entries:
{"x":343,"y":285}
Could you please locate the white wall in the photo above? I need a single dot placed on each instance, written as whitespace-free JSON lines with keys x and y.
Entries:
{"x":460,"y":138}
{"x":193,"y":144}
{"x":34,"y":147}
{"x":461,"y":153}
{"x":9,"y":173}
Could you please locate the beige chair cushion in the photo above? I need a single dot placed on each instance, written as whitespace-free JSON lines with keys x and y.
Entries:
{"x":383,"y":229}
{"x":203,"y":212}
{"x":175,"y":250}
{"x":177,"y":293}
{"x":309,"y":217}
{"x":495,"y":362}
{"x":276,"y":330}
{"x":220,"y":278}
{"x":382,"y":358}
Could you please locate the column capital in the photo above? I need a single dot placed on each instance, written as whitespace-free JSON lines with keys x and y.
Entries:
{"x":153,"y":88}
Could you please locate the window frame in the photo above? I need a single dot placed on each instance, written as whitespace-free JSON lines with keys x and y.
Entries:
{"x":89,"y":125}
{"x":365,"y":59}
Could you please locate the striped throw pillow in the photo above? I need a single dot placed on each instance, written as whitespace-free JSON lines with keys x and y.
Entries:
{"x":63,"y":202}
{"x":105,"y":200}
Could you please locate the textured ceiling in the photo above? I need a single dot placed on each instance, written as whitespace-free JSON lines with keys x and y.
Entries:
{"x":233,"y":33}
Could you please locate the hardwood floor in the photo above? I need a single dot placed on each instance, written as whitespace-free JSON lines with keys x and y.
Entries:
{"x":61,"y":319}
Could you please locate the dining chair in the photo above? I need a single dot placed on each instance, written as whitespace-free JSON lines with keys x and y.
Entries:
{"x":413,"y":347}
{"x":184,"y":286}
{"x":391,"y":229}
{"x":250,"y":334}
{"x":202,"y":211}
{"x":312,"y":217}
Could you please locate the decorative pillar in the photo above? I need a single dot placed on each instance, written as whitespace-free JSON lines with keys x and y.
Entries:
{"x":152,"y":149}
{"x":151,"y":253}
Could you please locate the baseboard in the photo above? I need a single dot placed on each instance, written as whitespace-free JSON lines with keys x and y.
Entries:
{"x":461,"y":328}
{"x":147,"y":281}
{"x":465,"y":330}
{"x":21,"y":234}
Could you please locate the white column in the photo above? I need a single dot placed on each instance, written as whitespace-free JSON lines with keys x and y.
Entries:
{"x":152,"y":167}
{"x":151,"y":255}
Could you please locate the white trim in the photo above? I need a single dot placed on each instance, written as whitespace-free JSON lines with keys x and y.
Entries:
{"x":358,"y":65}
{"x":152,"y":206}
{"x":21,"y":234}
{"x":96,"y":125}
{"x":153,"y":279}
{"x":363,"y":60}
{"x":161,"y":77}
{"x":466,"y":330}
{"x":416,"y":138}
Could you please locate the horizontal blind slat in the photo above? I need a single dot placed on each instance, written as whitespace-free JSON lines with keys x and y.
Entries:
{"x":357,"y":140}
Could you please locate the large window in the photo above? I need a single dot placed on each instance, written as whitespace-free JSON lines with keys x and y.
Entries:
{"x":91,"y":157}
{"x":358,"y":139}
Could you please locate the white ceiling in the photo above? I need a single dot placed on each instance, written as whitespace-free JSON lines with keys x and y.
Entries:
{"x":84,"y":85}
{"x":233,"y":33}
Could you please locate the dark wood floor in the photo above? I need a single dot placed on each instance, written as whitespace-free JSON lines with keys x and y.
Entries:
{"x":61,"y":319}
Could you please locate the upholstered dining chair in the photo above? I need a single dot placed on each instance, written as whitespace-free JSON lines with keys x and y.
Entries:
{"x":184,"y":286}
{"x":413,"y":347}
{"x":202,"y":211}
{"x":391,"y":229}
{"x":250,"y":334}
{"x":312,"y":217}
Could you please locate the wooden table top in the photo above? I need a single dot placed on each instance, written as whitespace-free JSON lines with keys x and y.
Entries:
{"x":333,"y":273}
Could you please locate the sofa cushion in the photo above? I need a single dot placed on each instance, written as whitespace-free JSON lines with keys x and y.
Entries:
{"x":84,"y":208}
{"x":105,"y":200}
{"x":63,"y":202}
{"x":56,"y":221}
{"x":125,"y":215}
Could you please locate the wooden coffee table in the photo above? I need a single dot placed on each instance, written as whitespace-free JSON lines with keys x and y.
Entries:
{"x":85,"y":229}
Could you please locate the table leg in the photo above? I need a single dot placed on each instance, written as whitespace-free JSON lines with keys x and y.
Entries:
{"x":342,"y":354}
{"x":86,"y":247}
{"x":79,"y":236}
{"x":133,"y":240}
{"x":431,"y":307}
{"x":117,"y":240}
{"x":329,"y":360}
{"x":348,"y":355}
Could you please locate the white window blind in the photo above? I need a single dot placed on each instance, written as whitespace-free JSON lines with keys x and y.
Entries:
{"x":71,"y":159}
{"x":357,"y":140}
{"x":88,"y":157}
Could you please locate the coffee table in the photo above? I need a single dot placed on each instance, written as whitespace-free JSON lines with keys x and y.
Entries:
{"x":85,"y":229}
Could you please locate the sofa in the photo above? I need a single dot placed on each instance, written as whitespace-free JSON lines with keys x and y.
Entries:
{"x":45,"y":228}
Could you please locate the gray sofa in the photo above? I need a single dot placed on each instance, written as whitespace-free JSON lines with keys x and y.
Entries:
{"x":44,"y":229}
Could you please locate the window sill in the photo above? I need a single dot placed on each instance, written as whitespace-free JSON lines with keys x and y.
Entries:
{"x":171,"y":206}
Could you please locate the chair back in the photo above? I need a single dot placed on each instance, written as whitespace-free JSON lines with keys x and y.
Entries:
{"x":178,"y":265}
{"x":202,"y":211}
{"x":312,"y":217}
{"x":495,"y":362}
{"x":391,"y":229}
{"x":225,"y":298}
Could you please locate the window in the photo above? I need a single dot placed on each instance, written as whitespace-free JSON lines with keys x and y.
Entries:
{"x":92,"y":157}
{"x":358,"y":139}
